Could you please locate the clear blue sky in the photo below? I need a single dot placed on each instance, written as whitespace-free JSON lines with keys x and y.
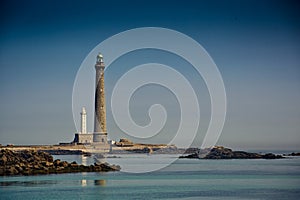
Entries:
{"x":255,"y":44}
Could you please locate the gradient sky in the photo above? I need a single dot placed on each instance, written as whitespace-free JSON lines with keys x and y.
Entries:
{"x":255,"y":44}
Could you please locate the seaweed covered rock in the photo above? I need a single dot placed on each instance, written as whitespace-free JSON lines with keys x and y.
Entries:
{"x":33,"y":162}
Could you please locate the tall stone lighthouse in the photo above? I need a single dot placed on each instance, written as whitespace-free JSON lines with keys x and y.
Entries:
{"x":100,"y":132}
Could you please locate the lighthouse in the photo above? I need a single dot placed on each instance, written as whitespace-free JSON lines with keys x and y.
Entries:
{"x":95,"y":142}
{"x":100,"y":132}
{"x":83,"y":137}
{"x":83,"y":121}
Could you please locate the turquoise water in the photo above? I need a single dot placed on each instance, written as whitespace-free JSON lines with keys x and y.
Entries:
{"x":184,"y":179}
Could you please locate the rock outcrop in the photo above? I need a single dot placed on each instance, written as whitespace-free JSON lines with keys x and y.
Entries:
{"x":33,"y":162}
{"x":293,"y":154}
{"x":124,"y":143}
{"x":219,"y":152}
{"x":127,"y":146}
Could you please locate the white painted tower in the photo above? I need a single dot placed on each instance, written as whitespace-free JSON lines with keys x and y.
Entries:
{"x":83,"y":121}
{"x":83,"y":137}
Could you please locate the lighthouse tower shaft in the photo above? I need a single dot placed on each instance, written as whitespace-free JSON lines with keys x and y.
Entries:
{"x":100,"y":108}
{"x":100,"y":131}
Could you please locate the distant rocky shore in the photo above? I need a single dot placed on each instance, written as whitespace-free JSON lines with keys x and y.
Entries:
{"x":219,"y":152}
{"x":38,"y":162}
{"x":292,"y":154}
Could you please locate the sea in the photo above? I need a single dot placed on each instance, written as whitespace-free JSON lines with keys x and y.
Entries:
{"x":183,"y":179}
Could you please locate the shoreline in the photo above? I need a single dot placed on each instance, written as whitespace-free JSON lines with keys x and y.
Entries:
{"x":80,"y":149}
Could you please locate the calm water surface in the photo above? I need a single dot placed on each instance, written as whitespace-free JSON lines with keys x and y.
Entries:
{"x":184,"y":179}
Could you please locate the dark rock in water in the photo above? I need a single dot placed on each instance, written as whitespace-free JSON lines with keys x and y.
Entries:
{"x":271,"y":156}
{"x":113,"y":157}
{"x":10,"y":170}
{"x":3,"y":160}
{"x":107,"y":167}
{"x":191,"y":150}
{"x":293,"y":154}
{"x":56,"y":162}
{"x":193,"y":155}
{"x":64,"y":164}
{"x":219,"y":152}
{"x":32,"y":162}
{"x":226,"y":153}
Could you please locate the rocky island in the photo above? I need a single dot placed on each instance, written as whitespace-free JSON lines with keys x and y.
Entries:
{"x":220,"y":152}
{"x":124,"y":146}
{"x":39,"y":162}
{"x":292,"y":154}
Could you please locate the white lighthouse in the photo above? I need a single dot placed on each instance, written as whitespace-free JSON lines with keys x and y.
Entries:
{"x":83,"y":137}
{"x":83,"y":121}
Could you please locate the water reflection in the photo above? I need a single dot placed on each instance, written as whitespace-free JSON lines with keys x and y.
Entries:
{"x":100,"y":182}
{"x":94,"y":158}
{"x":83,"y":183}
{"x":28,"y":183}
